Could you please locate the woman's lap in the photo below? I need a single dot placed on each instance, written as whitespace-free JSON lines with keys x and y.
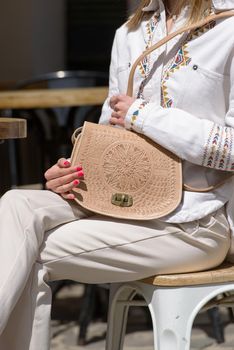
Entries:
{"x":99,"y":249}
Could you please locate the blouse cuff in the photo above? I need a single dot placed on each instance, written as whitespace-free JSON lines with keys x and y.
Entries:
{"x":135,"y":116}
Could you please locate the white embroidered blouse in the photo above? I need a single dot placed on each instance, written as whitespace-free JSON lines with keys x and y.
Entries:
{"x":184,"y":100}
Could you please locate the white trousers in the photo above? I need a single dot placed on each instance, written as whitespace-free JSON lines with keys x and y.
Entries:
{"x":44,"y":238}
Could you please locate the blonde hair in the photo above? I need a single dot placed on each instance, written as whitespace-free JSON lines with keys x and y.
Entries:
{"x":198,"y":8}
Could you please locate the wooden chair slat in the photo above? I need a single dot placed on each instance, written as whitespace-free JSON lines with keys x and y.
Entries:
{"x":221,"y":274}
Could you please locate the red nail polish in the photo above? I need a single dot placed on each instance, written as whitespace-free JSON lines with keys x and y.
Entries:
{"x":80,"y":173}
{"x":66,"y":162}
{"x":79,"y":168}
{"x":76,"y":182}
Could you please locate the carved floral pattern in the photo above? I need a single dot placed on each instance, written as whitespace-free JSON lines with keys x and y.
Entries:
{"x":118,"y":174}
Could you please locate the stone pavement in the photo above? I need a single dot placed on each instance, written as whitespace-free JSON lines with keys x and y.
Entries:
{"x":139,"y":334}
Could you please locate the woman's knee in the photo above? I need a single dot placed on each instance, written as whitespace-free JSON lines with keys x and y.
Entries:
{"x":12,"y":196}
{"x":32,"y":199}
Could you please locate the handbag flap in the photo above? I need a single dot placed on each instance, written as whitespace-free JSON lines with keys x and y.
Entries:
{"x":120,"y":165}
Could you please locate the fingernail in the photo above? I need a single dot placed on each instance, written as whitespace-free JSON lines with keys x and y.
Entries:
{"x":79,"y":168}
{"x":76,"y":182}
{"x":80,"y":173}
{"x":66,"y":162}
{"x":71,"y":196}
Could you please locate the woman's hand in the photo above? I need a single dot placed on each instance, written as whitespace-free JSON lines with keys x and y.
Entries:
{"x":62,"y":178}
{"x":120,"y":105}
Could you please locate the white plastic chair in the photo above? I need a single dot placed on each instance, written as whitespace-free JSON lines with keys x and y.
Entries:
{"x":173,"y":301}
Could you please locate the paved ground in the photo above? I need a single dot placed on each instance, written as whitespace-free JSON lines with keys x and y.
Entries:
{"x":139,"y":335}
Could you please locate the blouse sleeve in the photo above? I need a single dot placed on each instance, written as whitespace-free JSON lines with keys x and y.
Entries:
{"x":199,"y":141}
{"x":113,"y":85}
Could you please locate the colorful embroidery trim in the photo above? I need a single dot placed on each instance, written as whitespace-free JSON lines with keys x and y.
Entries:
{"x":218,"y":148}
{"x":136,"y":113}
{"x":181,"y":59}
{"x":144,"y":65}
{"x":200,"y":31}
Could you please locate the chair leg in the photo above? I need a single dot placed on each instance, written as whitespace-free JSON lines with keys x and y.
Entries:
{"x":87,"y":311}
{"x":120,"y":295}
{"x":173,"y":311}
{"x":231,"y":314}
{"x":217,"y":325}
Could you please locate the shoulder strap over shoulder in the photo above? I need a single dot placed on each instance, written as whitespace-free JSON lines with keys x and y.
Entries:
{"x":199,"y":24}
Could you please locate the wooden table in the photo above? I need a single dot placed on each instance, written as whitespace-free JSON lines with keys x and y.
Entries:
{"x":46,"y":98}
{"x":12,"y":128}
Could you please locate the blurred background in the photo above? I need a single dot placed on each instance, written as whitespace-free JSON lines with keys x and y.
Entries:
{"x":43,"y":36}
{"x":61,"y":37}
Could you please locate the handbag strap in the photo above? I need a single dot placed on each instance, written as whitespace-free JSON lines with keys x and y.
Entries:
{"x":169,"y":37}
{"x":207,"y":189}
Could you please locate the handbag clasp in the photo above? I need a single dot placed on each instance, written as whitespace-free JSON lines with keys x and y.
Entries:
{"x":122,"y":200}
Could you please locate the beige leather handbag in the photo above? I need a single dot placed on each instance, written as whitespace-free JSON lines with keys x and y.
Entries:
{"x":127,"y":175}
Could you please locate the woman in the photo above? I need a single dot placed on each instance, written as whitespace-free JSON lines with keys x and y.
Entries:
{"x":184,"y":100}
